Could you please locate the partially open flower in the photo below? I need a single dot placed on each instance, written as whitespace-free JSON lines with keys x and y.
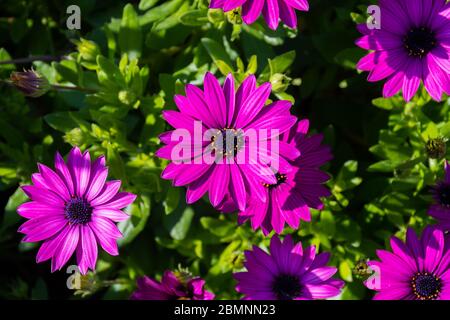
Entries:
{"x":177,"y":285}
{"x":30,"y":82}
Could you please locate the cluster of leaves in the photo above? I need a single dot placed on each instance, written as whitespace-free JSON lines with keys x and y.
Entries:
{"x":127,"y":63}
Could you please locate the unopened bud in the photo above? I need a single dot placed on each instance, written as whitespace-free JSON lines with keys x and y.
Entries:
{"x":31,"y":83}
{"x":436,"y":148}
{"x":88,"y":49}
{"x":279,"y":82}
{"x":127,"y":97}
{"x":234,"y":16}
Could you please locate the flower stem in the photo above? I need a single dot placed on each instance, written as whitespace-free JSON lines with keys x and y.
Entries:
{"x":33,"y":58}
{"x":73,"y":88}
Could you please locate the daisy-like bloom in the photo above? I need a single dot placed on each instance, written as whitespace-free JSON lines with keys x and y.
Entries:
{"x":272,"y":10}
{"x":416,"y":270}
{"x":289,"y":272}
{"x":411,"y":46}
{"x":173,"y":286}
{"x":241,"y":164}
{"x":73,"y":209}
{"x":440,"y":210}
{"x":295,"y":192}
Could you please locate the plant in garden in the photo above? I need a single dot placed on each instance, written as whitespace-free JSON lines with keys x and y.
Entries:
{"x":110,"y":83}
{"x":73,"y":209}
{"x":411,"y":46}
{"x":289,"y":272}
{"x":289,"y":199}
{"x":179,"y":285}
{"x":415,"y":270}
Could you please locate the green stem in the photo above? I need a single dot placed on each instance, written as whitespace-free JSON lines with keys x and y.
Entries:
{"x":32,"y":59}
{"x":74,"y":88}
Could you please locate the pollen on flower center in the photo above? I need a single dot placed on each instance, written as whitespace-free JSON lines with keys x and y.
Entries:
{"x":227,"y":141}
{"x":419,"y":41}
{"x":426,"y":286}
{"x":287,"y":287}
{"x":443,"y":194}
{"x":281,"y":178}
{"x":78,"y":211}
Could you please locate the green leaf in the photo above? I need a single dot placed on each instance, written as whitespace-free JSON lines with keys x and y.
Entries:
{"x":181,"y":228}
{"x":280,"y":64}
{"x":109,"y":74}
{"x":11,"y":216}
{"x":327,"y":223}
{"x":172,"y":200}
{"x":220,"y":228}
{"x":146,"y":4}
{"x":224,"y":68}
{"x":4,"y":56}
{"x":130,"y":34}
{"x":116,"y":164}
{"x":349,"y":231}
{"x":430,"y":132}
{"x":64,"y":121}
{"x":216,"y":51}
{"x":345,"y":271}
{"x":349,"y":57}
{"x":160,"y":12}
{"x":139,"y":212}
{"x":346,"y":178}
{"x":383,"y":103}
{"x":227,"y":258}
{"x":39,"y":291}
{"x":194,"y":17}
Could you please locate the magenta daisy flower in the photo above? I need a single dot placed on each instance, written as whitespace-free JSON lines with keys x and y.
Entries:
{"x":411,"y":46}
{"x":219,"y":122}
{"x":73,"y":209}
{"x":416,"y":270}
{"x":289,"y":272}
{"x":272,"y":10}
{"x":441,"y":208}
{"x":290,"y":199}
{"x":171,"y":287}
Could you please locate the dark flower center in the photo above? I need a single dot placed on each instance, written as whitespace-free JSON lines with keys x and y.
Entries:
{"x":281,"y":178}
{"x":78,"y":211}
{"x":443,"y":193}
{"x":426,"y":286}
{"x":227,"y":141}
{"x":419,"y":41}
{"x":287,"y":287}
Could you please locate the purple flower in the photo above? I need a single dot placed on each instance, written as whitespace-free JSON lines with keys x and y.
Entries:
{"x":441,"y":208}
{"x":72,"y":209}
{"x":272,"y":10}
{"x":171,"y":287}
{"x":290,"y":199}
{"x":228,"y":117}
{"x":412,"y":45}
{"x":289,"y":272}
{"x":416,"y":270}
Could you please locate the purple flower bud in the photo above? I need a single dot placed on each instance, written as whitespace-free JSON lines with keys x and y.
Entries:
{"x":31,"y":83}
